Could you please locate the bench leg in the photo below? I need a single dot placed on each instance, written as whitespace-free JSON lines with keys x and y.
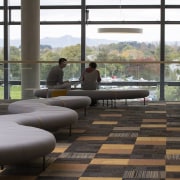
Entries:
{"x":44,"y":163}
{"x":115,"y":103}
{"x":125,"y":101}
{"x":85,"y":111}
{"x":70,"y":130}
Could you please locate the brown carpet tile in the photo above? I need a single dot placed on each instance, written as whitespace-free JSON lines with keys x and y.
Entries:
{"x":126,"y":142}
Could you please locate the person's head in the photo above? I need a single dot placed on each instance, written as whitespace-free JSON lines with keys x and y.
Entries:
{"x":62,"y":62}
{"x":92,"y":65}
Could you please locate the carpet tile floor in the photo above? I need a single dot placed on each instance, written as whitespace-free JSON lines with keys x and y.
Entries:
{"x":126,"y":142}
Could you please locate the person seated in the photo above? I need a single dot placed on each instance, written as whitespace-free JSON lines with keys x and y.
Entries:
{"x":90,"y":79}
{"x":55,"y":76}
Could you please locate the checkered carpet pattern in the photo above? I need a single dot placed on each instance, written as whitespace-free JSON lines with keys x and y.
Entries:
{"x":127,"y":142}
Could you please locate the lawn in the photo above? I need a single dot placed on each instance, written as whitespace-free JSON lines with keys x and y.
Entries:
{"x":15,"y":92}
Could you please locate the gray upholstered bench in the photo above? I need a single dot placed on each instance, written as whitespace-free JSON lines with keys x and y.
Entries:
{"x":97,"y":94}
{"x":25,"y":134}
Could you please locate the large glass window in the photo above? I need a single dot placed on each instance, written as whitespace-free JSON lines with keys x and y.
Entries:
{"x":126,"y":57}
{"x":122,"y":58}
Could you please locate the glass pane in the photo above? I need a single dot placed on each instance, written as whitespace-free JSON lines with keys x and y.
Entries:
{"x":172,"y":15}
{"x":172,"y":2}
{"x":122,"y":2}
{"x":120,"y":48}
{"x":61,"y":41}
{"x":154,"y":30}
{"x":15,"y":35}
{"x":124,"y":14}
{"x":60,"y":15}
{"x":172,"y":93}
{"x":60,"y":35}
{"x":172,"y":34}
{"x":1,"y":91}
{"x":16,"y":15}
{"x":1,"y":35}
{"x":72,"y":71}
{"x":172,"y":72}
{"x":1,"y":64}
{"x":60,"y":2}
{"x":14,"y":2}
{"x":1,"y":15}
{"x":15,"y":55}
{"x":172,"y":53}
{"x":15,"y":92}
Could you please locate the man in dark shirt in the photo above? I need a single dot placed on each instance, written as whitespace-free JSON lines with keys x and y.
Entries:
{"x":55,"y":76}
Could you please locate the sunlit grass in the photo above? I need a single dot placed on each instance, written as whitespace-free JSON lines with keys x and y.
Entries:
{"x":15,"y":92}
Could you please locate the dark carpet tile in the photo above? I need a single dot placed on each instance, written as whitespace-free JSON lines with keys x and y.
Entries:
{"x":104,"y":171}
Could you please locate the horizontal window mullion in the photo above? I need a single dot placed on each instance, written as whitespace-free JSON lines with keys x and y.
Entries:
{"x":123,"y":22}
{"x":123,"y":6}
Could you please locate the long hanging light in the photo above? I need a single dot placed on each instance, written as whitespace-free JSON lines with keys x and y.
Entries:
{"x":120,"y":30}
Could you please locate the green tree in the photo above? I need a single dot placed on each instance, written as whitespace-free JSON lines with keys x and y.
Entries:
{"x":15,"y":68}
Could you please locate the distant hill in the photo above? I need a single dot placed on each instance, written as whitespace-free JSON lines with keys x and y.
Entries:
{"x":70,"y":40}
{"x":64,"y":41}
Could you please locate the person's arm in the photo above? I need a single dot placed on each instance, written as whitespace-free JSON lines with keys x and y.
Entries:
{"x":99,"y":77}
{"x":82,"y":77}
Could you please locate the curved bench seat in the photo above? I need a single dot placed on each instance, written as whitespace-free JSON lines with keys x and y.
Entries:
{"x":72,"y":102}
{"x":25,"y":135}
{"x":38,"y":114}
{"x":110,"y":94}
{"x":21,"y":143}
{"x":97,"y":94}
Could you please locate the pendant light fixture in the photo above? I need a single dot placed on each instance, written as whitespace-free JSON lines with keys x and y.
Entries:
{"x":120,"y":30}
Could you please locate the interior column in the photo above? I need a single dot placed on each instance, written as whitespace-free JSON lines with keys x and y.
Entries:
{"x":30,"y":47}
